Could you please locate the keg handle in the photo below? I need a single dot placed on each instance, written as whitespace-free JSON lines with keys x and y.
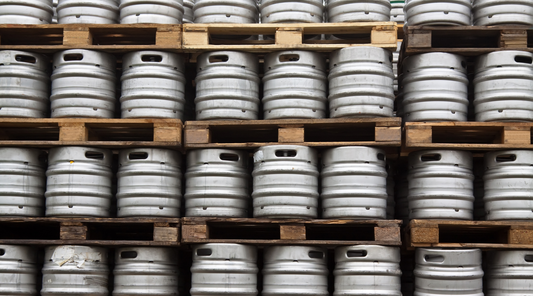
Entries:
{"x":434,"y":258}
{"x":25,"y":59}
{"x":381,"y":156}
{"x":137,"y":155}
{"x":356,"y":253}
{"x":128,"y":255}
{"x":529,"y":258}
{"x":229,"y":157}
{"x":94,"y":155}
{"x":316,"y":255}
{"x":2,"y":252}
{"x":523,"y":59}
{"x":151,"y":58}
{"x":289,"y":58}
{"x":286,"y":153}
{"x":506,"y":158}
{"x":218,"y":59}
{"x":430,"y":157}
{"x":204,"y":252}
{"x":72,"y":57}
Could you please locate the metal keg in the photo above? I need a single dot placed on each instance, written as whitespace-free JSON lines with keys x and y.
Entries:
{"x":503,"y":86}
{"x":441,"y":185}
{"x":83,"y":84}
{"x":54,"y":17}
{"x":340,"y":11}
{"x":435,"y":87}
{"x":188,"y":15}
{"x":34,"y":12}
{"x":295,"y":270}
{"x":151,"y":11}
{"x":508,"y":185}
{"x":75,"y":270}
{"x":291,"y":11}
{"x":149,"y":183}
{"x":502,"y":12}
{"x":225,"y":11}
{"x":354,"y":183}
{"x":396,"y":13}
{"x":78,"y":182}
{"x":395,"y":60}
{"x":224,"y":269}
{"x":438,"y":12}
{"x":19,"y":272}
{"x":509,"y":272}
{"x":285,"y":182}
{"x":146,"y":271}
{"x":153,"y":85}
{"x":22,"y":182}
{"x":25,"y":84}
{"x":217,"y":183}
{"x":294,"y":85}
{"x":448,"y":272}
{"x":361,"y":82}
{"x":227,"y":86}
{"x":88,"y":12}
{"x":367,"y":270}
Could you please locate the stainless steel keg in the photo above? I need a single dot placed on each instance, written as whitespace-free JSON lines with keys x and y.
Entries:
{"x":354,"y":183}
{"x":31,"y":12}
{"x":291,"y":11}
{"x":88,"y":12}
{"x":294,"y":85}
{"x":509,"y":272}
{"x":396,"y":13}
{"x":448,"y":272}
{"x":188,"y":14}
{"x":217,"y":183}
{"x":438,"y":12}
{"x":227,"y":86}
{"x":503,"y":86}
{"x":146,"y":271}
{"x":153,"y":85}
{"x":502,"y":12}
{"x":508,"y":185}
{"x":295,"y":270}
{"x":78,"y":182}
{"x":367,"y":270}
{"x":75,"y":270}
{"x":340,"y":11}
{"x":225,"y":11}
{"x":54,"y":17}
{"x":395,"y":60}
{"x":25,"y":84}
{"x":83,"y":84}
{"x":22,"y":182}
{"x":441,"y":185}
{"x":19,"y":272}
{"x":149,"y":183}
{"x":361,"y":82}
{"x":224,"y":269}
{"x":434,"y":87}
{"x":151,"y":11}
{"x":285,"y":182}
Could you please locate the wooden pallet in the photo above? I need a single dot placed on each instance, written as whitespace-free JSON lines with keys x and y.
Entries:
{"x":109,"y":133}
{"x":90,"y":231}
{"x":290,"y":231}
{"x":110,"y":38}
{"x":206,"y":37}
{"x":469,"y":234}
{"x":311,"y":132}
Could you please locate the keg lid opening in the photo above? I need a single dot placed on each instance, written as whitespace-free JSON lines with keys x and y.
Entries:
{"x":218,"y":58}
{"x":528,"y":258}
{"x":523,"y":59}
{"x":138,"y":155}
{"x":286,"y":153}
{"x":289,"y":58}
{"x":434,"y":258}
{"x":128,"y":255}
{"x":94,"y":155}
{"x":204,"y":252}
{"x":229,"y":157}
{"x":506,"y":158}
{"x":149,"y":58}
{"x":316,"y":254}
{"x":356,"y":253}
{"x":72,"y":57}
{"x":431,"y":157}
{"x":25,"y":59}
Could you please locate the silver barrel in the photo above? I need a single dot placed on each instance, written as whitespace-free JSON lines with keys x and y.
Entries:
{"x":502,"y":12}
{"x":295,"y":270}
{"x":361,"y":82}
{"x":78,"y":182}
{"x":396,"y":13}
{"x":151,"y":11}
{"x":448,"y":272}
{"x":25,"y":84}
{"x":295,"y":85}
{"x":291,"y":11}
{"x":225,"y":11}
{"x":227,"y":86}
{"x":354,"y":183}
{"x":441,"y":185}
{"x":88,"y":12}
{"x":149,"y":183}
{"x":224,"y":269}
{"x":508,"y":182}
{"x":509,"y":272}
{"x":146,"y":271}
{"x":75,"y":270}
{"x":19,"y":272}
{"x":503,"y":86}
{"x":438,"y":12}
{"x":285,"y":182}
{"x":217,"y":183}
{"x":153,"y":85}
{"x":22,"y":182}
{"x":340,"y":11}
{"x":35,"y":12}
{"x":188,"y":14}
{"x":367,"y":270}
{"x":83,"y":84}
{"x":435,"y":87}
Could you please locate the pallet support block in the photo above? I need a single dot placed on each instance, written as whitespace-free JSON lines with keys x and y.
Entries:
{"x":516,"y":135}
{"x":197,"y":136}
{"x":419,"y":39}
{"x":73,"y":131}
{"x":513,"y":39}
{"x":387,"y":234}
{"x":166,"y":133}
{"x":164,"y":232}
{"x":388,"y":134}
{"x":194,"y":232}
{"x":291,"y":135}
{"x":289,"y":36}
{"x":195,"y":36}
{"x":384,"y":35}
{"x":77,"y":36}
{"x":166,"y":36}
{"x":418,"y":134}
{"x":425,"y":235}
{"x":521,"y":236}
{"x":73,"y":231}
{"x":294,"y":232}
